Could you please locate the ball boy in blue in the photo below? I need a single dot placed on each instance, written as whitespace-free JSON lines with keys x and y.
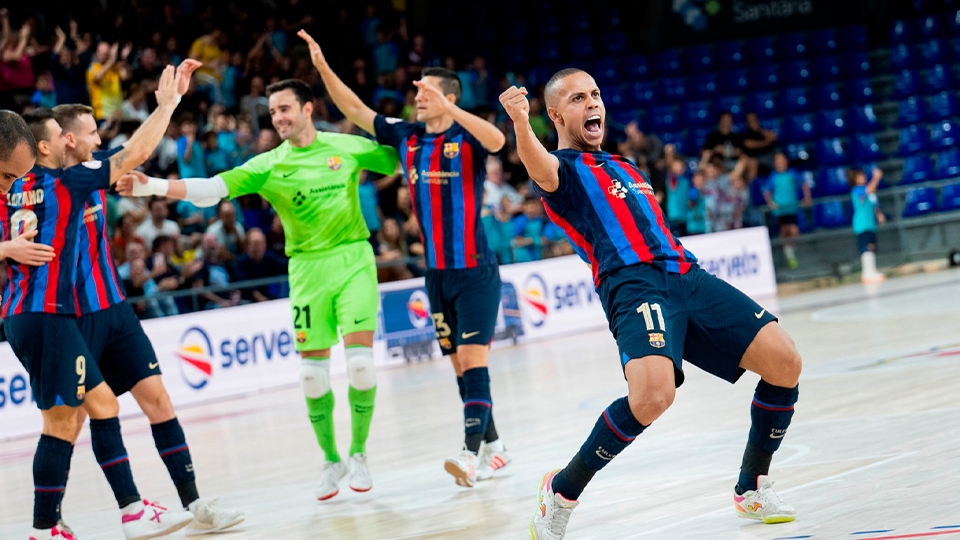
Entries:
{"x":866,"y":216}
{"x":661,"y":306}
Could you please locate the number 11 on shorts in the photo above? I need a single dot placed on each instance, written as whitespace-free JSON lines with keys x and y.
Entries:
{"x":646,"y":309}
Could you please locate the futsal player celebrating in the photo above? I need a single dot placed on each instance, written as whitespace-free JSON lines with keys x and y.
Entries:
{"x":444,"y":160}
{"x":661,"y":306}
{"x":311,"y":180}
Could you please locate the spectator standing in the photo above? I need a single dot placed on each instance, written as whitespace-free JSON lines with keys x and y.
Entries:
{"x":230,"y":234}
{"x":677,"y":191}
{"x":386,"y":54}
{"x":758,"y":144}
{"x":646,"y":150}
{"x":528,"y":232}
{"x":723,"y":141}
{"x":866,"y":216}
{"x":16,"y":65}
{"x":138,"y":283}
{"x":164,"y":272}
{"x":157,"y":224}
{"x":69,"y":77}
{"x":190,"y":158}
{"x":216,"y":159}
{"x":258,"y":263}
{"x":701,"y":202}
{"x":495,"y":186}
{"x":124,"y":234}
{"x":782,"y":200}
{"x":104,"y":78}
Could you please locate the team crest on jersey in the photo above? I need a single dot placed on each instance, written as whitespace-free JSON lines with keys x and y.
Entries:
{"x":412,"y":174}
{"x":81,"y":392}
{"x":617,"y":190}
{"x":334,"y":163}
{"x":301,"y":337}
{"x":451,"y":150}
{"x":656,"y":340}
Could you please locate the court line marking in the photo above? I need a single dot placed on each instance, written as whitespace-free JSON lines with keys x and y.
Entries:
{"x":431,"y":533}
{"x":865,"y":297}
{"x":915,"y":535}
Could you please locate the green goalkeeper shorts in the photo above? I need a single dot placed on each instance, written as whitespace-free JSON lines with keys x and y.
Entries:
{"x":333,"y":290}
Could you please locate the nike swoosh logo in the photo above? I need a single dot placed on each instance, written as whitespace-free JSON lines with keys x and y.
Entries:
{"x":413,"y":148}
{"x":598,"y":165}
{"x":289,"y":173}
{"x":758,"y":315}
{"x":153,"y":365}
{"x":468,"y":336}
{"x":780,"y":436}
{"x":358,"y":321}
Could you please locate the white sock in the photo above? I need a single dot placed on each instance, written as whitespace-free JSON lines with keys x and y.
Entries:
{"x":789,"y":253}
{"x":496,"y":446}
{"x":868,"y":260}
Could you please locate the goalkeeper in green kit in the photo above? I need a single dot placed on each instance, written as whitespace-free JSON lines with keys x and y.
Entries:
{"x":312,"y":182}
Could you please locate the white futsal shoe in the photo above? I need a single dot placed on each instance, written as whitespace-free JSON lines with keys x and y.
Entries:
{"x":553,"y":512}
{"x":56,"y":533}
{"x":207,"y":518}
{"x":145,"y":519}
{"x":463,"y":468}
{"x":763,"y":504}
{"x":360,"y":479}
{"x":493,"y":456}
{"x":330,"y":479}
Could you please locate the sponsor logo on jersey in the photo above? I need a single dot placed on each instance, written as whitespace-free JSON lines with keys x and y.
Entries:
{"x":617,"y":190}
{"x":418,"y":309}
{"x":90,"y":214}
{"x":413,"y":176}
{"x":334,"y":163}
{"x":656,"y":340}
{"x":299,"y":198}
{"x":451,"y":150}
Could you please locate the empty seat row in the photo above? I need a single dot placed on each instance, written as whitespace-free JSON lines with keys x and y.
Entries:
{"x":915,"y":138}
{"x":915,"y":109}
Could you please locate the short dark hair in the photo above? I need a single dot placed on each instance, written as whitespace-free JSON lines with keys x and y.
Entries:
{"x":300,"y":89}
{"x":160,"y":240}
{"x":37,"y":121}
{"x":67,"y":114}
{"x":561,"y":74}
{"x":449,"y":80}
{"x":550,"y":89}
{"x":14,"y":132}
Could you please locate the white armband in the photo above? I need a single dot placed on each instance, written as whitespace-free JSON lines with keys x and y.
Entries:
{"x":205,"y":192}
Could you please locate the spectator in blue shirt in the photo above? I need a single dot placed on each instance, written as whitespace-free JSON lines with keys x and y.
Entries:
{"x":190,"y":159}
{"x":781,"y":193}
{"x":216,"y":159}
{"x":678,"y":191}
{"x":866,"y":216}
{"x":528,"y":231}
{"x":385,"y":54}
{"x":698,"y":221}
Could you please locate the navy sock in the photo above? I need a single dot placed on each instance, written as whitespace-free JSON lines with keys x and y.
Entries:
{"x":770,"y":413}
{"x":112,"y":457}
{"x":490,"y":434}
{"x":51,"y":464}
{"x":615,"y":429}
{"x":476,"y":406}
{"x":175,"y":454}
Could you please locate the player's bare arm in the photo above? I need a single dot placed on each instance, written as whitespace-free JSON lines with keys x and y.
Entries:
{"x":488,"y":134}
{"x":542,"y":166}
{"x":24,"y":250}
{"x":146,"y":138}
{"x":343,"y":97}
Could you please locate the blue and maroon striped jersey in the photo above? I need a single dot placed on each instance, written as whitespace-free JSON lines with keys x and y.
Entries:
{"x":53,"y":202}
{"x":98,"y":283}
{"x":445,"y":172}
{"x":607,"y":208}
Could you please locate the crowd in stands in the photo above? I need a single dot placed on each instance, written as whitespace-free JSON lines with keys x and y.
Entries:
{"x":113,"y":60}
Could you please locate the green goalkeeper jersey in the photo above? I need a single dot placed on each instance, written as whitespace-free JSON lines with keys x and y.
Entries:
{"x":314,"y":189}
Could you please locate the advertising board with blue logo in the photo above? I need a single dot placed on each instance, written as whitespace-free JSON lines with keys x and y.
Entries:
{"x":227,"y":353}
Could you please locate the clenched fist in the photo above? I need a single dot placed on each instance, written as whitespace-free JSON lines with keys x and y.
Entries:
{"x":514,"y":101}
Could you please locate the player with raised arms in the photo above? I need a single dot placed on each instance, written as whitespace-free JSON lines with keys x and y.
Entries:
{"x":444,"y":160}
{"x":662,"y":307}
{"x":312,"y":181}
{"x":39,"y":309}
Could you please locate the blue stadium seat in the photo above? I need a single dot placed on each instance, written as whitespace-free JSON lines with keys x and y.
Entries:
{"x":765,"y":77}
{"x":580,"y":47}
{"x":793,"y":46}
{"x":665,"y":118}
{"x":943,"y":135}
{"x":668,"y":63}
{"x":953,"y":47}
{"x":832,"y":181}
{"x":943,"y":105}
{"x":704,"y":86}
{"x":864,"y":118}
{"x":861,"y":91}
{"x":774,"y":124}
{"x":905,"y":84}
{"x":636,"y":68}
{"x":761,"y":51}
{"x":699,"y":59}
{"x":673,"y":89}
{"x":798,"y":152}
{"x":931,"y":53}
{"x":913,"y":139}
{"x":931,"y":26}
{"x":830,"y":96}
{"x":857,"y":66}
{"x":514,"y":56}
{"x":828,"y":69}
{"x":900,"y":31}
{"x":678,"y":141}
{"x":539,"y":75}
{"x":916,"y":169}
{"x":734,"y":104}
{"x":831,"y":152}
{"x":695,"y":139}
{"x":953,"y":25}
{"x":948,"y":164}
{"x":798,"y":73}
{"x":614,"y":43}
{"x":798,"y":100}
{"x":548,"y":26}
{"x":606,"y":72}
{"x":831,"y":215}
{"x":853,"y":39}
{"x":803,"y":223}
{"x":834,"y":123}
{"x":800,"y":127}
{"x":548,"y":52}
{"x":729,"y":54}
{"x":699,"y":114}
{"x":902,"y":57}
{"x":764,"y":103}
{"x":824,"y":42}
{"x":756,"y":192}
{"x":911,"y":111}
{"x":734,"y":81}
{"x":937,"y":78}
{"x":950,"y":198}
{"x":921,"y":200}
{"x":642,"y":94}
{"x":865,"y":148}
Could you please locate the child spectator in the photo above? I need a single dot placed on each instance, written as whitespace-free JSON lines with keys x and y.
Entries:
{"x":697,"y":222}
{"x":780,"y":191}
{"x":528,"y":231}
{"x":216,"y":160}
{"x":190,"y":158}
{"x":866,"y":216}
{"x":678,"y":191}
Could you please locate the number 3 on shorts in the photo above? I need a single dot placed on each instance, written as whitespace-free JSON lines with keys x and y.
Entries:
{"x":443,"y":329}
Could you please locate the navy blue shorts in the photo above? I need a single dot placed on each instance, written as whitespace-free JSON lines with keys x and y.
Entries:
{"x":53,"y":352}
{"x":464,"y":305}
{"x":695,"y":316}
{"x":866,"y":240}
{"x":121,"y":349}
